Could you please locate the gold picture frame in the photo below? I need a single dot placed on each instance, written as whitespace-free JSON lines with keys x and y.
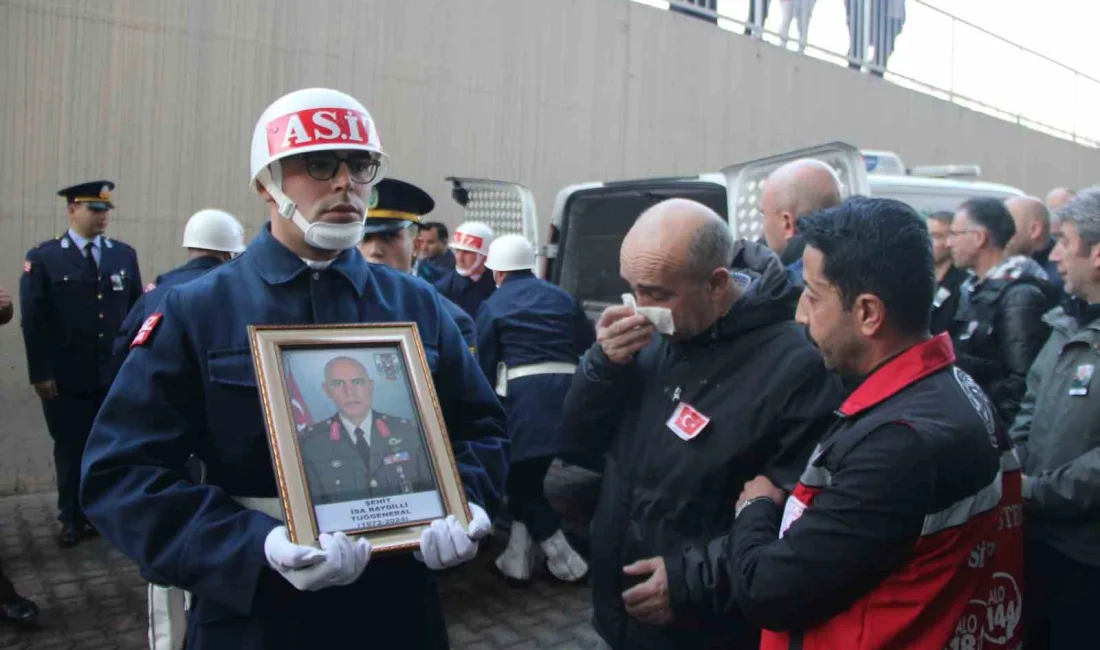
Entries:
{"x":328,"y":479}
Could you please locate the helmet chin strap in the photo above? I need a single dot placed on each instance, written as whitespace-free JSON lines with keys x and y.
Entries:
{"x":326,"y":236}
{"x":470,"y":271}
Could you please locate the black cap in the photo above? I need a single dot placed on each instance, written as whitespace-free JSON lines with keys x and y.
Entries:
{"x":395,"y":205}
{"x":95,"y":194}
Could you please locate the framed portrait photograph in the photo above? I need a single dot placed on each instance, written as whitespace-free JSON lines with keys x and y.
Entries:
{"x":356,"y":434}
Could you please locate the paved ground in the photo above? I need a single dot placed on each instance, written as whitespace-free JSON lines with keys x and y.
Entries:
{"x":92,"y":598}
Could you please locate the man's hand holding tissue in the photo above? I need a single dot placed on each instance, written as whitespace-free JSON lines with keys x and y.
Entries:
{"x":622,"y":333}
{"x":445,"y":544}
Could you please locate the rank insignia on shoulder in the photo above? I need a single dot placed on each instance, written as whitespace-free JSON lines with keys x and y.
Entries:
{"x":146,"y":330}
{"x":64,"y":243}
{"x":26,"y":266}
{"x":149,"y":287}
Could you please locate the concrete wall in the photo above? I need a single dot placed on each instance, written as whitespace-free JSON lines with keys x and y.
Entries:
{"x":161,"y":97}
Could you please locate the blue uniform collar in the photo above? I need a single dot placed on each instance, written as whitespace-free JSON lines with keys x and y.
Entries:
{"x":277,"y":264}
{"x":201,"y":263}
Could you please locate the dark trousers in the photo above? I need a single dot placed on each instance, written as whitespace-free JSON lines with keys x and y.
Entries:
{"x":527,"y":500}
{"x":1060,"y":599}
{"x":69,"y":419}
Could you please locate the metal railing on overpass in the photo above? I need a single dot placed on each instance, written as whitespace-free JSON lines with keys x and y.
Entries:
{"x":922,"y":47}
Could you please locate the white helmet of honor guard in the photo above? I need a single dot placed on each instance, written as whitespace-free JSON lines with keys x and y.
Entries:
{"x":214,"y":230}
{"x":510,"y":253}
{"x":307,"y":121}
{"x":472,"y":236}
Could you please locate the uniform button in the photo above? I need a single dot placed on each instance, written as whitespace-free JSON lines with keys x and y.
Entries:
{"x":338,"y":481}
{"x":99,"y":296}
{"x":101,"y":335}
{"x":316,"y":275}
{"x":100,"y":315}
{"x":373,"y":483}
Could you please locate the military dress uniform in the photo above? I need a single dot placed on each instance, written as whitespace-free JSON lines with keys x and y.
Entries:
{"x":72,"y":305}
{"x":395,"y":205}
{"x":189,"y":387}
{"x":338,"y":469}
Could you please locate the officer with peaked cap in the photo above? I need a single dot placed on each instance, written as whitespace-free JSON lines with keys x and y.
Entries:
{"x":189,"y":387}
{"x":74,"y":293}
{"x":395,"y":208}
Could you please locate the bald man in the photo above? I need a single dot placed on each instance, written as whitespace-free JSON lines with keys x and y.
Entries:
{"x":684,"y":418}
{"x":791,"y":192}
{"x":1033,"y":238}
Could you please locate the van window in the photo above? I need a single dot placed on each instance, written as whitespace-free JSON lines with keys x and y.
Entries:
{"x":595,"y":222}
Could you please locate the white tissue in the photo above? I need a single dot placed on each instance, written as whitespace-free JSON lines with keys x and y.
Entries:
{"x":661,"y":317}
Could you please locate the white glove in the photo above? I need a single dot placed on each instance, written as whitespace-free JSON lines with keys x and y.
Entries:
{"x":338,"y":562}
{"x":444,"y":544}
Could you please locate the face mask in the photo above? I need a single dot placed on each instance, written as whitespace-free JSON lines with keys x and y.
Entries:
{"x":329,"y":236}
{"x":326,"y":236}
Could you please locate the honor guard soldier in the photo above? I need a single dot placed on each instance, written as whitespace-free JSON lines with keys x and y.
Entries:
{"x":532,"y":334}
{"x":74,"y":293}
{"x":395,"y":207}
{"x":467,"y":284}
{"x":211,"y":237}
{"x":189,"y":388}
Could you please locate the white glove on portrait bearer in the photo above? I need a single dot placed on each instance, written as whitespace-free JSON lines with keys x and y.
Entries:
{"x":444,"y":544}
{"x":338,"y":562}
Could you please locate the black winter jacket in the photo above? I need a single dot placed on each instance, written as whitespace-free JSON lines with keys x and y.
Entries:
{"x":1000,"y":330}
{"x":763,"y":385}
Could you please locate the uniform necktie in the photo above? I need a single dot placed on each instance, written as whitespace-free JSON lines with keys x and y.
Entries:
{"x":92,"y":266}
{"x":362,"y":446}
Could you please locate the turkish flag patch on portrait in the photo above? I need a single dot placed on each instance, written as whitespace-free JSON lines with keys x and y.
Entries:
{"x":146,"y":330}
{"x":686,"y":422}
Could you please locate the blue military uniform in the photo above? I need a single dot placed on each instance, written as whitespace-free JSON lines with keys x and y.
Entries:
{"x":150,"y":300}
{"x":464,"y":292}
{"x":396,"y":205}
{"x":527,"y":322}
{"x":189,"y":387}
{"x":72,"y":305}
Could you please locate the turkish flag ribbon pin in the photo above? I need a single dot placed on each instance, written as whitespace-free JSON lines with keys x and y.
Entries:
{"x":686,"y":422}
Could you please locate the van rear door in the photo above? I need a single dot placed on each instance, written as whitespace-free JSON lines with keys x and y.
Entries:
{"x":746,"y":182}
{"x":508,"y":208}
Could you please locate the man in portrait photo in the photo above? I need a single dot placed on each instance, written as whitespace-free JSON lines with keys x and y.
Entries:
{"x":360,"y":452}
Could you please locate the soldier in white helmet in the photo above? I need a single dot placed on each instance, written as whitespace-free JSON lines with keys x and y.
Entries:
{"x":530,"y":336}
{"x":467,"y":284}
{"x":189,"y":388}
{"x":211,"y":237}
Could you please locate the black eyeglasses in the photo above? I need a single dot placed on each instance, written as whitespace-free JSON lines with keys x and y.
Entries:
{"x":323,"y":166}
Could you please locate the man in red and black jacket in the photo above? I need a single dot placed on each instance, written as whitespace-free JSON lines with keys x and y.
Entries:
{"x":905,"y":528}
